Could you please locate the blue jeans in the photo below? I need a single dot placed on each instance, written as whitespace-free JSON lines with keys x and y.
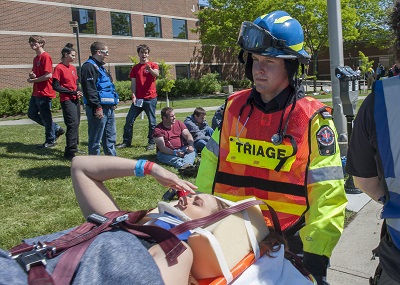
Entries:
{"x":108,"y":260}
{"x":102,"y":131}
{"x":177,"y":161}
{"x":149,"y":107}
{"x":201,"y":143}
{"x":39,"y":111}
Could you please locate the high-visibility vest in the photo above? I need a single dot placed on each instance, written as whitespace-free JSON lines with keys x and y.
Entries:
{"x":386,"y":116}
{"x":249,"y":162}
{"x":104,"y":86}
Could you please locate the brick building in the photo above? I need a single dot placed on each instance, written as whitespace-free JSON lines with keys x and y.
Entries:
{"x":164,"y":25}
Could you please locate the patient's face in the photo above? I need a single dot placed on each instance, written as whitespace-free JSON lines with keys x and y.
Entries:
{"x":198,"y":205}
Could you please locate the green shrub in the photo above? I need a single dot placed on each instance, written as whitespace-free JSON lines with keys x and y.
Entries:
{"x":123,"y":89}
{"x":209,"y":83}
{"x":16,"y":101}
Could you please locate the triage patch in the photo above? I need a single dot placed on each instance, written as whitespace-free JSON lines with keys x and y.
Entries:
{"x":260,"y":154}
{"x":326,"y":141}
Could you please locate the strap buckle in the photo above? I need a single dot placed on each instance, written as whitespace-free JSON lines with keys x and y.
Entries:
{"x":33,"y":258}
{"x":120,"y":219}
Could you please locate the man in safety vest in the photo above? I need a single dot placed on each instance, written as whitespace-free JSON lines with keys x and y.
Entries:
{"x":278,"y":145}
{"x":100,"y":99}
{"x":373,"y":161}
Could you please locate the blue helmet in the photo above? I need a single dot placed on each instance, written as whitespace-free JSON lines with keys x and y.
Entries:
{"x":276,"y":34}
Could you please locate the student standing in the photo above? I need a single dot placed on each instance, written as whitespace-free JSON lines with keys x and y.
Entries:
{"x":100,"y":99}
{"x":144,"y":96}
{"x":40,"y":104}
{"x":65,"y":81}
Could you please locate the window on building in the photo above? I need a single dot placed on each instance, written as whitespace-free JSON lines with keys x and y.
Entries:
{"x":179,"y":29}
{"x":182,"y":71}
{"x":152,"y":27}
{"x":121,"y":24}
{"x":122,"y":72}
{"x":86,"y":20}
{"x":216,"y":69}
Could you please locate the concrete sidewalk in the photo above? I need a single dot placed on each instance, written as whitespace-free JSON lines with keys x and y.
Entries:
{"x":122,"y":114}
{"x":117,"y":115}
{"x":351,"y":262}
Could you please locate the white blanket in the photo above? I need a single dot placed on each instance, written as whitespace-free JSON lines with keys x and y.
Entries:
{"x":272,"y":271}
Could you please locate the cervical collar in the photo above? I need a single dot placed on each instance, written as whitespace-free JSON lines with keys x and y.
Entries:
{"x":164,"y":207}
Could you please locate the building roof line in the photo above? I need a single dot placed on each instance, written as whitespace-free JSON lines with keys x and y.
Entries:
{"x":100,"y":9}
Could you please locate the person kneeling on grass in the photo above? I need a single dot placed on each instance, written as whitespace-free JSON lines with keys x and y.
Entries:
{"x":175,"y":143}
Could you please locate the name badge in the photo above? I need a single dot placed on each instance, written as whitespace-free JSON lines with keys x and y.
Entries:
{"x":260,"y":154}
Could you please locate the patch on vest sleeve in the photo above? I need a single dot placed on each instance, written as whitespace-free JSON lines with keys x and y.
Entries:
{"x":326,"y":141}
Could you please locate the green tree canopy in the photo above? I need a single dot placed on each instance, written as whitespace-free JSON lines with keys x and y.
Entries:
{"x":362,"y":20}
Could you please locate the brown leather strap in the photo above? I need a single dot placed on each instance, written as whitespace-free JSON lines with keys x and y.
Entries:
{"x":170,"y":243}
{"x":219,"y":215}
{"x":39,"y":276}
{"x":66,"y":266}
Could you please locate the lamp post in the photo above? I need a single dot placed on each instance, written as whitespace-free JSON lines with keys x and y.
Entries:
{"x":75,"y":27}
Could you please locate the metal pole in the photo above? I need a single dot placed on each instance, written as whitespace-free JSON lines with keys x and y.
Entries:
{"x":75,"y":27}
{"x":336,"y":59}
{"x":79,"y":53}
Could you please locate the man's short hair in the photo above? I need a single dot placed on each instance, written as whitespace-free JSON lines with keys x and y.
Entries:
{"x":142,"y":47}
{"x":199,"y":111}
{"x":165,"y":111}
{"x":37,"y":39}
{"x":94,"y":47}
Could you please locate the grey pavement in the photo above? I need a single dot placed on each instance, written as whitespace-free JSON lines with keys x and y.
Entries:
{"x":118,"y":115}
{"x":351,"y":262}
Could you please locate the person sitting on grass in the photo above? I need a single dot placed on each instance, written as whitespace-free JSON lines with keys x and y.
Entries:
{"x":199,"y":128}
{"x":175,"y":145}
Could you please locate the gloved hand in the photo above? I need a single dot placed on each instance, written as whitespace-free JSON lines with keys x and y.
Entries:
{"x":317,"y":265}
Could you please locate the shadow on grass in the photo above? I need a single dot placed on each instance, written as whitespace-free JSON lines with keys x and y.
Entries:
{"x":17,"y":147}
{"x":52,"y":172}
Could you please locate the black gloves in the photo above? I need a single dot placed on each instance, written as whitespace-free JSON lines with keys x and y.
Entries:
{"x":317,"y":265}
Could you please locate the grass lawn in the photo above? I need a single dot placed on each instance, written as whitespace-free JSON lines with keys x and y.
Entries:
{"x":36,"y":194}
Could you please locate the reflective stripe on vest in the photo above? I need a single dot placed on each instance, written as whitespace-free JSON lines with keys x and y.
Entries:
{"x":247,"y":161}
{"x":104,"y":86}
{"x":387,"y":117}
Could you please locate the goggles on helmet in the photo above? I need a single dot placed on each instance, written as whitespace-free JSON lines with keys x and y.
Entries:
{"x":255,"y":39}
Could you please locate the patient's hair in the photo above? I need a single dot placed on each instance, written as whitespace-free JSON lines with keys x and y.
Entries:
{"x":273,"y":243}
{"x":221,"y":205}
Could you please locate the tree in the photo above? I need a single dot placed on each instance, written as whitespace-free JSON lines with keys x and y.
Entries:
{"x":151,"y":30}
{"x":220,"y":24}
{"x":372,"y":23}
{"x":120,"y":24}
{"x":164,"y":81}
{"x":365,"y":63}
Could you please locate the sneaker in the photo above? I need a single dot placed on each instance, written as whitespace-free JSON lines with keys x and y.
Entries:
{"x":150,"y":147}
{"x":122,"y":145}
{"x":81,"y":151}
{"x":47,"y":145}
{"x":69,"y":156}
{"x":59,"y":133}
{"x":188,"y":170}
